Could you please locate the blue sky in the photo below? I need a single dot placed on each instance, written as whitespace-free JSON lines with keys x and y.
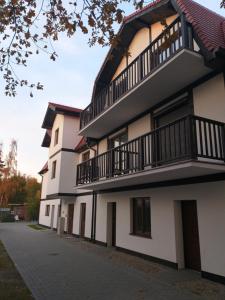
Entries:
{"x":69,"y":81}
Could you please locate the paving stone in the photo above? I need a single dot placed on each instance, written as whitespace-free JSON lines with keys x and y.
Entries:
{"x":61,"y":268}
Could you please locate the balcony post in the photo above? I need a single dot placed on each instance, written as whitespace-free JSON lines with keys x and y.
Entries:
{"x":141,"y":153}
{"x":140,"y":68}
{"x":184,"y":31}
{"x":193,"y":137}
{"x":223,"y":142}
{"x":92,"y":177}
{"x":111,"y":163}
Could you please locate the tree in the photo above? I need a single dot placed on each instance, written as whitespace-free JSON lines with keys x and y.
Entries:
{"x":222,"y":4}
{"x":29,"y":26}
{"x":8,"y":172}
{"x":33,"y":190}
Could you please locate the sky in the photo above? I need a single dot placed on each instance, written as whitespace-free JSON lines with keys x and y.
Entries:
{"x":68,"y":81}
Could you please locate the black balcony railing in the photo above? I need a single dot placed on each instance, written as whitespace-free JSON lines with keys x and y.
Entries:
{"x":191,"y":137}
{"x":174,"y":38}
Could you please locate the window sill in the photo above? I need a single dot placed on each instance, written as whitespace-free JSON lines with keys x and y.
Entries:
{"x":141,"y":235}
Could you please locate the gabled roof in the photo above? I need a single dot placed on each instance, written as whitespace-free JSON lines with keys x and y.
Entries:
{"x":54,"y":109}
{"x":82,"y":145}
{"x":208,"y":26}
{"x":47,"y":138}
{"x":44,"y":169}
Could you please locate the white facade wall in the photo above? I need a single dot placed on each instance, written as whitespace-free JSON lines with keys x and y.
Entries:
{"x":54,"y":183}
{"x":46,"y":220}
{"x":139,"y":127}
{"x":67,"y":175}
{"x":166,"y":242}
{"x":209,"y":99}
{"x":77,"y":210}
{"x":70,"y":136}
{"x":44,"y":185}
{"x":58,"y":124}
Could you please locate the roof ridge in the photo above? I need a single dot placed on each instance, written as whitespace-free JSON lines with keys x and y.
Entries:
{"x":151,"y":4}
{"x":209,"y":10}
{"x":66,"y":106}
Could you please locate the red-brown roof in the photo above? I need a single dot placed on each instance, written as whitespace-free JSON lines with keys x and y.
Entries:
{"x":54,"y":109}
{"x":82,"y":143}
{"x":139,"y":11}
{"x":44,"y":169}
{"x":209,"y":26}
{"x":65,"y":107}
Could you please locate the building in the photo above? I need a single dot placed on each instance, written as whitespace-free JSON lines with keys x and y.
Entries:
{"x":155,"y":170}
{"x":58,"y":195}
{"x":158,"y":115}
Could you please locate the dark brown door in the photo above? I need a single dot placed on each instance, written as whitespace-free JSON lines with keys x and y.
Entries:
{"x":82,"y":220}
{"x":113,"y":224}
{"x":70,"y":218}
{"x":191,"y":235}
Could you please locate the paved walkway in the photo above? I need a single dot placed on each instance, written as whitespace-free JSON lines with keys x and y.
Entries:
{"x":67,"y":268}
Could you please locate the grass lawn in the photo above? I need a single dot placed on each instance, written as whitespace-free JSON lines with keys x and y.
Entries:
{"x":12,"y":286}
{"x":37,"y":227}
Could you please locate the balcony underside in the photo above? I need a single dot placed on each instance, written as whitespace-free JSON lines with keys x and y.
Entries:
{"x":181,"y":170}
{"x":177,"y":73}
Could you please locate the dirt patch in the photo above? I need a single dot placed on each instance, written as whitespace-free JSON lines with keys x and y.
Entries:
{"x":11,"y":284}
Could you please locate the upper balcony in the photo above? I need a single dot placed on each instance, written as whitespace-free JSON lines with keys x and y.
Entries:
{"x":169,"y":64}
{"x":189,"y":147}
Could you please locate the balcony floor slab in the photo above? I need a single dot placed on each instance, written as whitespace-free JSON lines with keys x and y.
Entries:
{"x":181,"y":170}
{"x":178,"y":72}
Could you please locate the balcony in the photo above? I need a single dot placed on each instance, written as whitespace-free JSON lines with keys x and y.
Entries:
{"x":166,"y":66}
{"x":189,"y":147}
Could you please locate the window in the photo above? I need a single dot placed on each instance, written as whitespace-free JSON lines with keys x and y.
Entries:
{"x":56,"y":139}
{"x":142,"y":216}
{"x":53,"y":169}
{"x":47,"y":210}
{"x":86,"y":156}
{"x":118,"y":140}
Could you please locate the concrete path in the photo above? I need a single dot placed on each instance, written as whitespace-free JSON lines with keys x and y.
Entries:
{"x":67,"y":268}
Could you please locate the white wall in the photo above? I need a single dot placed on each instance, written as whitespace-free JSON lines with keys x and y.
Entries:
{"x":44,"y":184}
{"x":139,"y":127}
{"x":71,"y":127}
{"x":67,"y":175}
{"x":209,"y":99}
{"x":211,"y":218}
{"x":53,"y":183}
{"x":46,"y":220}
{"x":58,"y":124}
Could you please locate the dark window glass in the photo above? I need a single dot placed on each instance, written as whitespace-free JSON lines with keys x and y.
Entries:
{"x":56,"y":140}
{"x":142,"y":216}
{"x":118,"y":140}
{"x":86,"y":156}
{"x":53,"y":169}
{"x":47,"y":210}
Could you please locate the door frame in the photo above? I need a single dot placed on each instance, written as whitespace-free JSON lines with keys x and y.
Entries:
{"x":83,"y":208}
{"x":179,"y":234}
{"x":52,"y":216}
{"x":68,"y":218}
{"x":111,"y":224}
